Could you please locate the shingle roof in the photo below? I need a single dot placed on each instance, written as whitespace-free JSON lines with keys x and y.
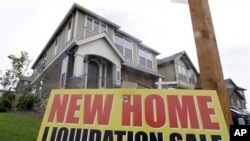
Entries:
{"x":169,"y":58}
{"x":181,"y":54}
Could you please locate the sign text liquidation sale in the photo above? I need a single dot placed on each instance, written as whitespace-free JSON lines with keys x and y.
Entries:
{"x":133,"y":115}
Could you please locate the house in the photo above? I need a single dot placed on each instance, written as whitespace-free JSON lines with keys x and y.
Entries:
{"x":23,"y":84}
{"x":89,"y":51}
{"x":236,"y":94}
{"x":180,"y":69}
{"x":237,"y":101}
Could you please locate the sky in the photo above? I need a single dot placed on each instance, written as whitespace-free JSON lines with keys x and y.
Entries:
{"x":27,"y":25}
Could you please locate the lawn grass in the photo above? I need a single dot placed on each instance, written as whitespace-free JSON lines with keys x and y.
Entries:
{"x":18,"y":127}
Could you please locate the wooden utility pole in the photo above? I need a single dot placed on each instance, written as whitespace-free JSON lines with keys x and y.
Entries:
{"x":208,"y":55}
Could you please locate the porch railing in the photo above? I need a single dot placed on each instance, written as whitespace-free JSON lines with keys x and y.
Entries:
{"x":90,"y":81}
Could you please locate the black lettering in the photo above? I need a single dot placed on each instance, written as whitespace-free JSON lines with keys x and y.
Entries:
{"x":84,"y":135}
{"x":141,"y":136}
{"x":175,"y":137}
{"x":191,"y":137}
{"x":108,"y":135}
{"x":153,"y":136}
{"x":203,"y":137}
{"x":62,"y":134}
{"x":53,"y":136}
{"x":78,"y":134}
{"x":216,"y":137}
{"x":130,"y":136}
{"x":45,"y":133}
{"x":120,"y":135}
{"x":72,"y":134}
{"x":95,"y":135}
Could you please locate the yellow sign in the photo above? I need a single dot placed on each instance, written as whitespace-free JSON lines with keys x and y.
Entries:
{"x":133,"y":115}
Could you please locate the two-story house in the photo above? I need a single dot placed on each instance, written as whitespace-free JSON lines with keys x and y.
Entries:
{"x":180,"y":69}
{"x":89,"y":51}
{"x":237,"y":101}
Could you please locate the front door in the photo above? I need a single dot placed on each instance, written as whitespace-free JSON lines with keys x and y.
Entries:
{"x":93,"y":75}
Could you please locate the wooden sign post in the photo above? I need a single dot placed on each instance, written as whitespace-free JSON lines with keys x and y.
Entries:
{"x":208,"y":55}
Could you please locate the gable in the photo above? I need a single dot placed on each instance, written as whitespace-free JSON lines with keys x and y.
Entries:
{"x":100,"y":46}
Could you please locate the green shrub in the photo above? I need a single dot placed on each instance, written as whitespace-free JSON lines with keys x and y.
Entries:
{"x":26,"y":102}
{"x":6,"y":103}
{"x":9,"y":95}
{"x":2,"y":109}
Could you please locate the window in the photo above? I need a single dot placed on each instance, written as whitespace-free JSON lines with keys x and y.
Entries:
{"x":145,"y":59}
{"x":191,"y":77}
{"x":125,"y":46}
{"x":103,"y":28}
{"x":55,"y":49}
{"x":64,"y":72}
{"x":119,"y":43}
{"x":182,"y":73}
{"x":68,"y":36}
{"x":95,"y":25}
{"x":89,"y":23}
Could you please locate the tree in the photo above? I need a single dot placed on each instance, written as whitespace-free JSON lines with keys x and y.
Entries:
{"x":20,"y":68}
{"x":12,"y":77}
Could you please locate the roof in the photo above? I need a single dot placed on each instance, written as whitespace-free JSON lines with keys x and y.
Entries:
{"x":229,"y":80}
{"x":143,"y":70}
{"x":169,"y":58}
{"x":176,"y":56}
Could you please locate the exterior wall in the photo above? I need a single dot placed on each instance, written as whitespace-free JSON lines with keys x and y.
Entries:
{"x":53,"y":74}
{"x":155,"y":69}
{"x":168,"y":71}
{"x":80,"y":21}
{"x":183,"y":84}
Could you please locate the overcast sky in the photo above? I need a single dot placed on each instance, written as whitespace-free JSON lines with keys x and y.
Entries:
{"x":27,"y":25}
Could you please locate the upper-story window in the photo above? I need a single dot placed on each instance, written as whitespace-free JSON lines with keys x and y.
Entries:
{"x":182,"y":73}
{"x":145,"y":59}
{"x":55,"y":49}
{"x":191,"y":76}
{"x":69,"y":29}
{"x":95,"y":25}
{"x":125,"y":46}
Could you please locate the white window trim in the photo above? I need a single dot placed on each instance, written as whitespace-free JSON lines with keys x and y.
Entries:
{"x":56,"y":47}
{"x":64,"y":70}
{"x":68,"y":31}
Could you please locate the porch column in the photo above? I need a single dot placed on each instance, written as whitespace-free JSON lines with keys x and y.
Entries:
{"x":116,"y":75}
{"x":78,"y":65}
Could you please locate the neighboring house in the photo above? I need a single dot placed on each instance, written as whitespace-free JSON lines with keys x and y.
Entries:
{"x":237,"y":101}
{"x":89,"y":51}
{"x":236,"y":94}
{"x":23,"y":84}
{"x":179,"y":68}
